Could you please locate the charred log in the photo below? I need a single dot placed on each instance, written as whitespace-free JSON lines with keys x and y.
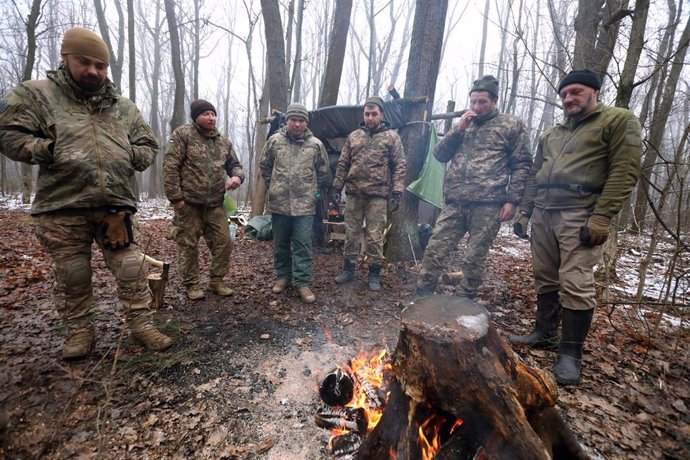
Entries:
{"x":337,"y":388}
{"x":449,"y":357}
{"x":349,"y":418}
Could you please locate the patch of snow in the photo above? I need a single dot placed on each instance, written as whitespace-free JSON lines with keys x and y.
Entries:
{"x":476,"y":323}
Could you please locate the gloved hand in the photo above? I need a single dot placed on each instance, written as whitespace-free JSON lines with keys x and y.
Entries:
{"x":595,"y":232}
{"x":117,"y":229}
{"x":520,"y":225}
{"x":394,"y":202}
{"x":335,"y":196}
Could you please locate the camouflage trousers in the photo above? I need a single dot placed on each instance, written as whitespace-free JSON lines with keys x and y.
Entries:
{"x":67,"y":237}
{"x":191,"y":223}
{"x":292,"y":250}
{"x":455,"y":220}
{"x":560,"y":261}
{"x":358,"y":210}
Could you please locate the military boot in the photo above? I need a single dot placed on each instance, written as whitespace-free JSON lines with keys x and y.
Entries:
{"x":374,"y":277}
{"x":80,"y":342}
{"x":220,"y":288}
{"x":280,"y":285}
{"x":145,"y":333}
{"x":348,"y":274}
{"x":306,"y":294}
{"x":568,"y":367}
{"x":195,"y":293}
{"x":545,"y":333}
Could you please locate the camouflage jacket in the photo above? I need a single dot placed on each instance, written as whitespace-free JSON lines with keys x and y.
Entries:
{"x":490,"y":161}
{"x":86,"y":155}
{"x":195,"y":166}
{"x":293,"y":169}
{"x":593,"y":163}
{"x":372,"y":163}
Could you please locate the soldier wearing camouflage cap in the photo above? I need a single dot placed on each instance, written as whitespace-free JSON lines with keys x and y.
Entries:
{"x":88,"y":141}
{"x":294,"y":164}
{"x":371,"y":168}
{"x":489,"y":163}
{"x":197,"y":162}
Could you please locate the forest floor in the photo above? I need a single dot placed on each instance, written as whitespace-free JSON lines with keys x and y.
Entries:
{"x":242,"y":379}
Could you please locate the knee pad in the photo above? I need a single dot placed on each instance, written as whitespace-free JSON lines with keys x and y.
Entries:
{"x":78,"y":272}
{"x":132,"y":265}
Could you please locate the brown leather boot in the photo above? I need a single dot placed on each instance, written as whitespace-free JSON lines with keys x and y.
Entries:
{"x":306,"y":294}
{"x":195,"y":293}
{"x":80,"y":343}
{"x":146,"y":334}
{"x":280,"y":285}
{"x":220,"y":288}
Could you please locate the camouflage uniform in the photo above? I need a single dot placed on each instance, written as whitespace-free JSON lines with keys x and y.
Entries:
{"x":293,"y":169}
{"x":194,"y":169}
{"x":87,"y":149}
{"x":371,"y":168}
{"x":490,"y":163}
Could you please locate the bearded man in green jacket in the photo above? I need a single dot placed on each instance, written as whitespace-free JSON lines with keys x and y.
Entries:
{"x":87,"y":141}
{"x":584,"y":170}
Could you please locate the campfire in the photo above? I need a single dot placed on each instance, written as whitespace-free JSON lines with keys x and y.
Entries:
{"x":453,"y":389}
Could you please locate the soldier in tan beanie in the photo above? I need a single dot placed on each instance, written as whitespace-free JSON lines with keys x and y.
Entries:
{"x":87,"y":141}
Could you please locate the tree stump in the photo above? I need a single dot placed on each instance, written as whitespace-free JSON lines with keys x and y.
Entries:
{"x":157,"y":281}
{"x":451,"y":361}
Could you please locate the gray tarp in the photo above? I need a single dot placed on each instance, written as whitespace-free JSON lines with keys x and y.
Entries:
{"x":259,"y":228}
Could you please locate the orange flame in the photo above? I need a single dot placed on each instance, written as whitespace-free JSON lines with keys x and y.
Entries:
{"x":429,"y":434}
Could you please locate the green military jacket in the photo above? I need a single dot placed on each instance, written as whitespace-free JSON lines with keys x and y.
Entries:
{"x":372,"y":163}
{"x":293,"y":170}
{"x":86,"y":156}
{"x":195,"y":166}
{"x":490,"y":161}
{"x":593,"y":163}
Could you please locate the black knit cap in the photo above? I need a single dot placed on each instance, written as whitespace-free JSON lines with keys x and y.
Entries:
{"x":582,"y":76}
{"x":486,"y":83}
{"x":200,"y":106}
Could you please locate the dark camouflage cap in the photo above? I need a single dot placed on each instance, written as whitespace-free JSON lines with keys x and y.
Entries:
{"x":486,"y":83}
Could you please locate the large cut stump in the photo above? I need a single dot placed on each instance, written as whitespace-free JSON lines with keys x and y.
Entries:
{"x":451,"y":363}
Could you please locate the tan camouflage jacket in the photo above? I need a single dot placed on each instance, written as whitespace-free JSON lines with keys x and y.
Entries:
{"x":293,"y":169}
{"x":593,"y":163}
{"x":195,"y":166}
{"x":372,"y":163}
{"x":95,"y":150}
{"x":490,"y":161}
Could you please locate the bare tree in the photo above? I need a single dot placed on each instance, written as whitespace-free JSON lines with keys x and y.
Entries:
{"x":178,"y":108}
{"x":330,"y":83}
{"x":116,"y":56}
{"x":422,"y":72}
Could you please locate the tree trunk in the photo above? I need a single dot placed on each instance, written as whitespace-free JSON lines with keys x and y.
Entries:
{"x":336,"y":53}
{"x":297,"y":68}
{"x":132,"y":51}
{"x":422,"y":72}
{"x":178,"y":108}
{"x":115,"y":63}
{"x":632,"y":57}
{"x":485,"y":30}
{"x":450,"y":362}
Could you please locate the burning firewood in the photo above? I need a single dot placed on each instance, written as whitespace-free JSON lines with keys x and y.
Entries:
{"x":344,"y":445}
{"x":349,"y":418}
{"x":337,"y":388}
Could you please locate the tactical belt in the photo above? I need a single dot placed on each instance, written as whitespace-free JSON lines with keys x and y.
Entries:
{"x":573,"y":187}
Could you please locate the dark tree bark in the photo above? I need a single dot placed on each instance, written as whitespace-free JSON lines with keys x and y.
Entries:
{"x":336,"y":53}
{"x":132,"y":51}
{"x":632,"y":57}
{"x":178,"y":109}
{"x":422,"y":72}
{"x":115,"y":57}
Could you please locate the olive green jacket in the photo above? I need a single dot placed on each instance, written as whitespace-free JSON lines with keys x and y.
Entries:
{"x":593,"y":163}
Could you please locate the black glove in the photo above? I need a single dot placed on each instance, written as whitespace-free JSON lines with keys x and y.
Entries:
{"x":117,"y":229}
{"x":520,"y":226}
{"x":394,"y":202}
{"x":335,"y":196}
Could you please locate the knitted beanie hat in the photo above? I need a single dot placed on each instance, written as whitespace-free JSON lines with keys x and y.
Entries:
{"x":374,"y":100}
{"x":199,"y":106}
{"x":297,"y":110}
{"x":583,"y":76}
{"x":486,"y":83}
{"x":78,"y":40}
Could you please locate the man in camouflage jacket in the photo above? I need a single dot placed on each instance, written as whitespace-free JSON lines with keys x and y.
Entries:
{"x":371,"y":167}
{"x":87,"y":141}
{"x":584,"y":170}
{"x":490,"y":161}
{"x":197,"y":161}
{"x":294,"y":164}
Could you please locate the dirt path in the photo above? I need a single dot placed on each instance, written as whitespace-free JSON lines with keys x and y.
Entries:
{"x":223,"y":391}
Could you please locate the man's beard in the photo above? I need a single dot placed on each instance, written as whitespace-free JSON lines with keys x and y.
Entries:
{"x":89,"y":86}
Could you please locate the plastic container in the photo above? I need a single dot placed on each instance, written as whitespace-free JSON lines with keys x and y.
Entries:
{"x":233,"y":231}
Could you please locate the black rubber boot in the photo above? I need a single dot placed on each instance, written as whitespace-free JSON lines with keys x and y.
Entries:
{"x":567,"y":369}
{"x":348,"y":274}
{"x":374,"y":277}
{"x":545,"y":334}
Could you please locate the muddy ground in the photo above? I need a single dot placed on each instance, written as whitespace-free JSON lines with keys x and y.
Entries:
{"x":241,"y":380}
